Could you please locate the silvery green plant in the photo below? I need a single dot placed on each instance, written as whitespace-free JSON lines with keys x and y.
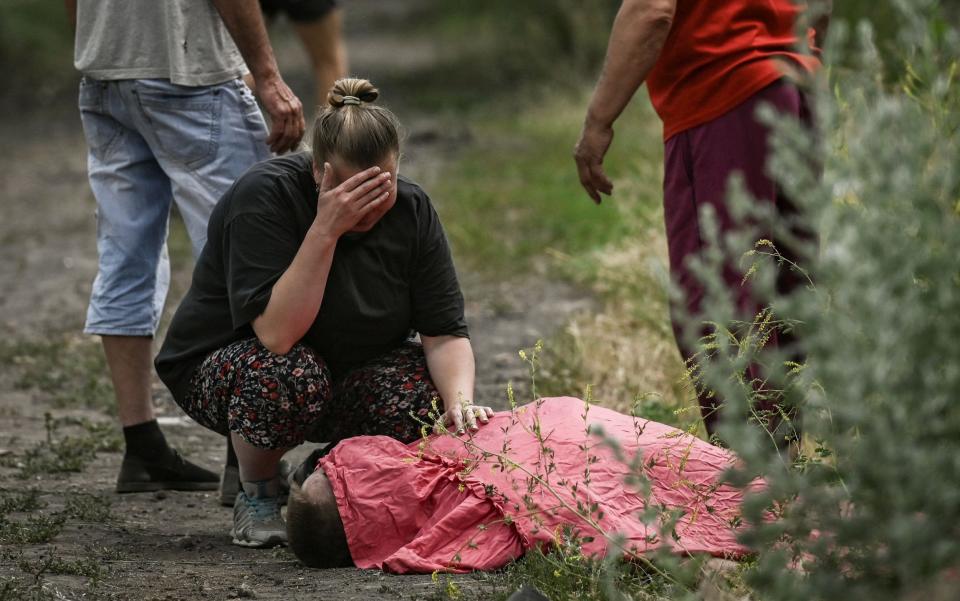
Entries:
{"x":870,"y":508}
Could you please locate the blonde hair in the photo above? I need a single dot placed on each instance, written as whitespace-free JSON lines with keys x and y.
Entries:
{"x":353,"y":129}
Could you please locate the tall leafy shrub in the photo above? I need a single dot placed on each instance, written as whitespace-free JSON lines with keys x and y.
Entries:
{"x":871,"y":508}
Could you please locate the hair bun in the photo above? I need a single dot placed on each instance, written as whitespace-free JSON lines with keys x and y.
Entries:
{"x":351,"y":86}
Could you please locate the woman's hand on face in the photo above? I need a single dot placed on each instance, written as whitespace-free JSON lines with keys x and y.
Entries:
{"x":340,"y":208}
{"x":464,"y":414}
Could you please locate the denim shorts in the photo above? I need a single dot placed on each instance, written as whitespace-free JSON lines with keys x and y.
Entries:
{"x":152,"y":143}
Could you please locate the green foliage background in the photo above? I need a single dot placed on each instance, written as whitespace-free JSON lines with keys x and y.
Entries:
{"x":872,"y":505}
{"x":36,"y":52}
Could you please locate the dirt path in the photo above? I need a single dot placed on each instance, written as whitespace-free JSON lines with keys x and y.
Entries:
{"x":73,"y":537}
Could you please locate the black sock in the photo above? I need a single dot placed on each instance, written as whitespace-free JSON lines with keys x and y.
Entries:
{"x":146,"y":441}
{"x":231,"y":454}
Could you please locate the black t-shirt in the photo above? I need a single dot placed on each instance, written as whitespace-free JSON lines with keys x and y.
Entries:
{"x":385,"y":284}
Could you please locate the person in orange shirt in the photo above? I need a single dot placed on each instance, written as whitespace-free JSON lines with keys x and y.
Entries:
{"x":707,"y":66}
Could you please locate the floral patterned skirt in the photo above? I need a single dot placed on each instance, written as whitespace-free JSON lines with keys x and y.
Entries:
{"x":278,"y":401}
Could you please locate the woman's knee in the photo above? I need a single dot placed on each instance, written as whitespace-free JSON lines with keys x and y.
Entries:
{"x":385,"y":393}
{"x":280,"y":397}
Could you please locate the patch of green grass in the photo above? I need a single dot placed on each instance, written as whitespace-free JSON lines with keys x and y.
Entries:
{"x":16,"y":589}
{"x":104,"y":436}
{"x":31,"y":583}
{"x":65,"y":454}
{"x":564,"y":373}
{"x":51,"y":563}
{"x":33,"y":530}
{"x":16,"y":501}
{"x":87,"y":508}
{"x":564,"y":574}
{"x":513,"y":200}
{"x":17,"y":536}
{"x":69,"y":369}
{"x":103,"y":552}
{"x":36,"y":528}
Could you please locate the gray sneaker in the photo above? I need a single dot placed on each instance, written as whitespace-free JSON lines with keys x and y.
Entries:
{"x":257,"y":521}
{"x":230,"y":483}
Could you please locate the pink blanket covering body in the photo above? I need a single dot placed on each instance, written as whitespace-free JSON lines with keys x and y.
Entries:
{"x":476,"y":502}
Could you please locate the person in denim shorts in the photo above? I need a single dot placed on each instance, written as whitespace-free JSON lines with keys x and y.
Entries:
{"x":167,"y":118}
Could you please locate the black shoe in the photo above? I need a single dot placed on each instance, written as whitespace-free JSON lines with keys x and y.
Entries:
{"x":171,"y":473}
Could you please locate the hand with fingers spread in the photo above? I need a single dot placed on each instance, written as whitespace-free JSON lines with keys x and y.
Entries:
{"x":588,"y":153}
{"x":342,"y":208}
{"x":464,"y":414}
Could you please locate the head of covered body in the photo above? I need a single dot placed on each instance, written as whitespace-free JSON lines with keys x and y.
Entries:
{"x":356,"y":145}
{"x":445,"y":503}
{"x":315,"y":530}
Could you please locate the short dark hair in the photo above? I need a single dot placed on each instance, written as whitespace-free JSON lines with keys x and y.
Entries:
{"x":315,"y":531}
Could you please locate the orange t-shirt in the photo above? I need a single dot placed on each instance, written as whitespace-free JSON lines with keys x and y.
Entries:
{"x":718,"y":54}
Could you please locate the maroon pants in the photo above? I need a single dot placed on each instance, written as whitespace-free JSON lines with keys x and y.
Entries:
{"x":698,"y":163}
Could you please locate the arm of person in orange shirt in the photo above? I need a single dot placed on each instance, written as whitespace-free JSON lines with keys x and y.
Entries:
{"x":637,"y":37}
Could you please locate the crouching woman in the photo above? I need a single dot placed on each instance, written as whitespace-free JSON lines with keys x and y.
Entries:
{"x":300,"y":322}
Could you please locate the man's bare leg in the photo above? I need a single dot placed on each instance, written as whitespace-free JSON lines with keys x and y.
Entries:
{"x":130,"y":361}
{"x":323,"y":41}
{"x":148,"y":463}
